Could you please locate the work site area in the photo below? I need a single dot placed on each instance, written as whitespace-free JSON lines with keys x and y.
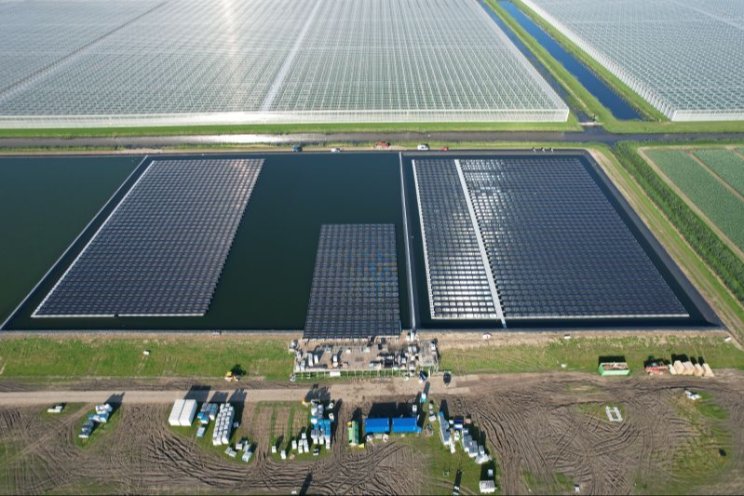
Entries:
{"x":636,"y":426}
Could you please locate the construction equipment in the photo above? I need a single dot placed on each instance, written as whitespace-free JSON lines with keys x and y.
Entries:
{"x":231,"y":377}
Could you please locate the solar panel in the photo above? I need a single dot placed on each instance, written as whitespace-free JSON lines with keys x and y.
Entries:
{"x":354,"y":293}
{"x":557,"y":246}
{"x":459,"y":278}
{"x":161,"y":250}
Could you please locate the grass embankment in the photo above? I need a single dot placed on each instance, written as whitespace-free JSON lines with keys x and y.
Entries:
{"x":581,"y":354}
{"x":704,"y":456}
{"x":703,"y":240}
{"x":50,"y":358}
{"x":391,"y":127}
{"x":656,"y":123}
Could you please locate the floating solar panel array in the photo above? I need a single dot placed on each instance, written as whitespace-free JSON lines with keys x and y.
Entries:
{"x":162,"y":249}
{"x":103,"y":62}
{"x":355,"y":284}
{"x":556,"y":246}
{"x":459,"y":279}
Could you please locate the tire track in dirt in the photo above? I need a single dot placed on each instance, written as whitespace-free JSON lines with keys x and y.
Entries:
{"x":540,"y":424}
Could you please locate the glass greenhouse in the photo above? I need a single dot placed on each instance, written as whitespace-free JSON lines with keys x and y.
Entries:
{"x":683,"y":56}
{"x":139,"y":62}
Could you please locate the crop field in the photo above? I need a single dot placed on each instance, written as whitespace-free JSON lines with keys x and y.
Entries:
{"x":184,"y":62}
{"x":723,"y":207}
{"x":727,"y":164}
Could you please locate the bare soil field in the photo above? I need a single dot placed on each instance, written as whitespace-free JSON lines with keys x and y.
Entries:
{"x":546,"y":431}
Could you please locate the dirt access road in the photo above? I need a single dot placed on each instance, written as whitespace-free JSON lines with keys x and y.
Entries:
{"x":546,"y":431}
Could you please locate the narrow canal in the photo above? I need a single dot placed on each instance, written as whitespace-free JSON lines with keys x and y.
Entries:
{"x":616,"y":104}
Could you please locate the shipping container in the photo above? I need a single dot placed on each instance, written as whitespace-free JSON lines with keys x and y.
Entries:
{"x":406,"y":425}
{"x":376,"y":425}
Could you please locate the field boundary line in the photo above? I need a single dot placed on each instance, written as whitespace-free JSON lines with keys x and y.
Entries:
{"x":696,"y":210}
{"x":715,"y":175}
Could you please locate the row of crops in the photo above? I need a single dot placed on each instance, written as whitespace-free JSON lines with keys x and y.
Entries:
{"x":722,"y":206}
{"x":719,"y":257}
{"x":726,"y":164}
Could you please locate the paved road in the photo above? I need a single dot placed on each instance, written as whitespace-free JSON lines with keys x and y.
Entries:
{"x":596,"y":134}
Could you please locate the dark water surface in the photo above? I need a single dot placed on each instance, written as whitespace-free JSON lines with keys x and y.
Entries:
{"x":266,"y":280}
{"x":265,"y":284}
{"x":44,"y":203}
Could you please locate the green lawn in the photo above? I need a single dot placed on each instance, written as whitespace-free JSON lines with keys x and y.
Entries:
{"x":289,"y":128}
{"x":726,"y":164}
{"x":558,"y":483}
{"x":581,"y":354}
{"x":719,"y":204}
{"x":39,"y":358}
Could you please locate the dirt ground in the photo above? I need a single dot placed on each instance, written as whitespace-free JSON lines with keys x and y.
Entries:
{"x":547,"y":432}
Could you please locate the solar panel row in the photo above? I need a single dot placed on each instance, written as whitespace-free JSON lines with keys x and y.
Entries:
{"x":556,"y":246}
{"x":355,"y":284}
{"x":456,"y":270}
{"x":162,"y":249}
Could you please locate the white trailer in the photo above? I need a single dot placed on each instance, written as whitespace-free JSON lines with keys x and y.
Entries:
{"x":186,"y":418}
{"x":175,"y":415}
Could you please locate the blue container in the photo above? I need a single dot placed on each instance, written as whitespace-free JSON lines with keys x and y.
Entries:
{"x":406,"y":425}
{"x":377,"y":425}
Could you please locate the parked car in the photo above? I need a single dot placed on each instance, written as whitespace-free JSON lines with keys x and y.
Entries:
{"x":423,"y":147}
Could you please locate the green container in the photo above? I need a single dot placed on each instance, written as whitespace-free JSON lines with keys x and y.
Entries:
{"x":613,"y":368}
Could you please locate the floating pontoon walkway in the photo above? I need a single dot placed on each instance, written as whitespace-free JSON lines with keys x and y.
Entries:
{"x":459,"y":278}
